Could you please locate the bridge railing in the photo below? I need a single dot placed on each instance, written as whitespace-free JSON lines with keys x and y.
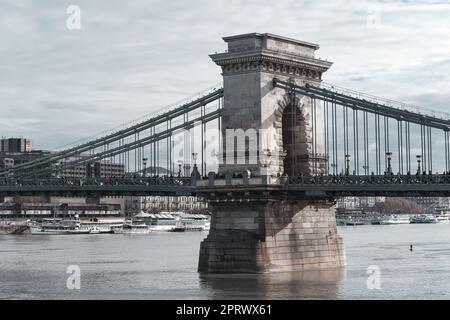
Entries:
{"x":142,"y":181}
{"x":325,"y":182}
{"x":367,"y":180}
{"x":330,"y":180}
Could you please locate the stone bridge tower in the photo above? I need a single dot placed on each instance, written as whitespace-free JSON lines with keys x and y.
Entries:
{"x":256,"y":225}
{"x":286,"y":141}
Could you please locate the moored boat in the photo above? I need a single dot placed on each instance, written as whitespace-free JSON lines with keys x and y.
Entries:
{"x":394,"y":219}
{"x":57,"y":227}
{"x":73,"y":226}
{"x":173,"y":221}
{"x":424,"y":219}
{"x":349,"y":221}
{"x":131,"y":227}
{"x":442,"y":219}
{"x":100,"y":227}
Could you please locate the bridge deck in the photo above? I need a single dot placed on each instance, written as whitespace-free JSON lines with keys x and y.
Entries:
{"x":304,"y":186}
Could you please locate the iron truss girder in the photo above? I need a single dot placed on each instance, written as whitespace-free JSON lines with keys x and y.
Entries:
{"x":167,"y":116}
{"x":134,"y":144}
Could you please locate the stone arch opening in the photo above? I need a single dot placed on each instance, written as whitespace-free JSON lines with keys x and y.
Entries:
{"x":291,"y":124}
{"x":302,"y":148}
{"x":294,"y":133}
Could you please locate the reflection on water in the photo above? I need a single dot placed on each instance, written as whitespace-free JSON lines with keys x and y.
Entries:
{"x":279,"y":285}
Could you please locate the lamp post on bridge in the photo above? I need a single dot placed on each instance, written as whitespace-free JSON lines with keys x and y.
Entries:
{"x":144,"y":162}
{"x":347,"y":164}
{"x":195,"y":172}
{"x":418,"y":163}
{"x":180,"y":163}
{"x":389,"y":158}
{"x":194,"y":158}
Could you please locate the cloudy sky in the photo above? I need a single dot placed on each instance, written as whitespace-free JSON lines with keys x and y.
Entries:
{"x":133,"y":57}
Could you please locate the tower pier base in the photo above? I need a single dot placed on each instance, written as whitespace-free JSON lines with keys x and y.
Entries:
{"x":272,"y":236}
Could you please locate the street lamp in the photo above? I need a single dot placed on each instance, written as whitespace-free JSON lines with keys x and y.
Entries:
{"x":144,"y":162}
{"x":418,"y":163}
{"x":347,"y":164}
{"x":389,"y":158}
{"x":195,"y":172}
{"x":194,"y":159}
{"x":180,"y":163}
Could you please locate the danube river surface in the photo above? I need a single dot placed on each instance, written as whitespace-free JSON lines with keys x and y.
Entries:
{"x":163,"y":266}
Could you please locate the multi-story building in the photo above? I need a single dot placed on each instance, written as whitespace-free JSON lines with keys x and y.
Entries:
{"x":18,"y":151}
{"x":29,"y":207}
{"x":14,"y":151}
{"x":163,"y":203}
{"x":108,"y":169}
{"x":9,"y":159}
{"x":15,"y":145}
{"x":358,"y":202}
{"x":99,"y":169}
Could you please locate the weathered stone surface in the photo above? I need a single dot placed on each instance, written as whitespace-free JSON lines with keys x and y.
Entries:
{"x":273,"y":234}
{"x":252,"y":102}
{"x":268,"y":246}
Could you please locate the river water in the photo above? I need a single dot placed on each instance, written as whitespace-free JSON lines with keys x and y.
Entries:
{"x":163,"y":266}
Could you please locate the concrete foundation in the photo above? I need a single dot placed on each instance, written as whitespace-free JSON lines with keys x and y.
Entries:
{"x":272,"y":236}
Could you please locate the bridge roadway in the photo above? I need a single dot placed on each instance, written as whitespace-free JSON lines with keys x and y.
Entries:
{"x":327,"y":186}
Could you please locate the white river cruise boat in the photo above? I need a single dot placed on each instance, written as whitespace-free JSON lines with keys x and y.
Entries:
{"x":423,"y":218}
{"x":133,"y":227}
{"x":395,"y":219}
{"x":173,"y":221}
{"x":100,"y":226}
{"x":58,"y":227}
{"x":74,"y":226}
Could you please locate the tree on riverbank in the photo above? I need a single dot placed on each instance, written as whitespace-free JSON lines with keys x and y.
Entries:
{"x":398,"y":205}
